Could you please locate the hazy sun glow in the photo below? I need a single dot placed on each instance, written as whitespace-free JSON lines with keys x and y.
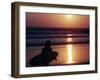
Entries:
{"x":69,"y":16}
{"x":48,"y":20}
{"x":70,"y":19}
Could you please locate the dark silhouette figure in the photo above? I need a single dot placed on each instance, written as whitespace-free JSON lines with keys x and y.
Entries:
{"x":46,"y":56}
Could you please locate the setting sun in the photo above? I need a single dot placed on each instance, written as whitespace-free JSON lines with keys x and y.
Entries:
{"x":69,"y":40}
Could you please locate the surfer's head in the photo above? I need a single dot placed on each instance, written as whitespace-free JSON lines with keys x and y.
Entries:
{"x":48,"y":43}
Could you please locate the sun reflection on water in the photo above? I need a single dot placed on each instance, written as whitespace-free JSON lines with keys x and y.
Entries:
{"x":70,"y":58}
{"x":69,"y":52}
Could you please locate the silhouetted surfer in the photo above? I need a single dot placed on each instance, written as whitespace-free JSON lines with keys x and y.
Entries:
{"x":46,"y":56}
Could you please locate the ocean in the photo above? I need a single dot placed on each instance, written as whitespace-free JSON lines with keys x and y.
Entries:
{"x":72,"y":45}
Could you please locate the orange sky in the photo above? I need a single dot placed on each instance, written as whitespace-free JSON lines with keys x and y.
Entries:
{"x":50,"y":20}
